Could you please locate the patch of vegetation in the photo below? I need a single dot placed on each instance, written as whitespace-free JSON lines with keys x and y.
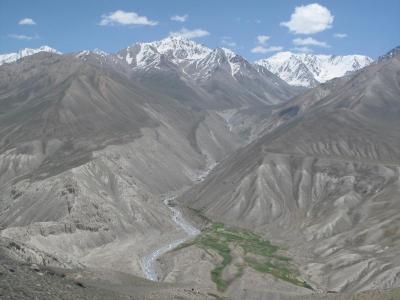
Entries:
{"x":279,"y":270}
{"x":259,"y":254}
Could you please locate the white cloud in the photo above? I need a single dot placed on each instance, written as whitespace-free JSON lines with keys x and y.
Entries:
{"x":27,"y":21}
{"x":178,"y":18}
{"x":309,"y":19}
{"x":262,"y":39}
{"x":227,"y":41}
{"x":22,"y":37}
{"x":340,"y":35}
{"x":190,"y":34}
{"x":120,"y":17}
{"x":310,"y":42}
{"x":263,"y":50}
{"x":303,"y":49}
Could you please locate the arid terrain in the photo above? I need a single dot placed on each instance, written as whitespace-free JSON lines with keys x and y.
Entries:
{"x":170,"y":170}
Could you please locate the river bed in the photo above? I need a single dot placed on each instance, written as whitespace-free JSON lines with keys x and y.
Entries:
{"x":148,"y":262}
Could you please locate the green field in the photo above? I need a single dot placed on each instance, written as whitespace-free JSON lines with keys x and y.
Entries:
{"x":259,"y":254}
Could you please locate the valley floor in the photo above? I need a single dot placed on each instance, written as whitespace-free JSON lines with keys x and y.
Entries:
{"x":28,"y":281}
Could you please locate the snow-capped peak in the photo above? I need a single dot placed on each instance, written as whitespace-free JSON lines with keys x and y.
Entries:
{"x":172,"y":49}
{"x":234,"y":60}
{"x":219,"y":59}
{"x":100,"y":52}
{"x":12,"y":57}
{"x":177,"y":48}
{"x":304,"y":69}
{"x":228,"y":53}
{"x":96,"y":51}
{"x":82,"y":53}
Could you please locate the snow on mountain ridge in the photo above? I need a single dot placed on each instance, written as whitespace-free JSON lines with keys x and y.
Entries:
{"x":12,"y":57}
{"x":181,"y":48}
{"x":303,"y":69}
{"x":143,"y":55}
{"x":222,"y":58}
{"x":177,"y":50}
{"x":188,"y":55}
{"x":100,"y":52}
{"x":199,"y":61}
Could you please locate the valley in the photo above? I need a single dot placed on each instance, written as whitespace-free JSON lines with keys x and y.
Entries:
{"x":148,"y":262}
{"x":258,"y":254}
{"x":171,"y":170}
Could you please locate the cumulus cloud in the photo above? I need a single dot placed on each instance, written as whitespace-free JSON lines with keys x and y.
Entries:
{"x":22,"y":37}
{"x":120,"y":17}
{"x":309,"y":19}
{"x":340,"y":35}
{"x":310,"y":42}
{"x":302,"y":49}
{"x":263,"y":50}
{"x":179,"y":18}
{"x":190,"y":34}
{"x":262,"y":39}
{"x":27,"y":21}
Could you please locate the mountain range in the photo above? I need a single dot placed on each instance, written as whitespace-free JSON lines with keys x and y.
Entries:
{"x":102,"y":155}
{"x":324,"y":180}
{"x":12,"y":57}
{"x":297,"y":69}
{"x":90,"y":142}
{"x":309,"y":70}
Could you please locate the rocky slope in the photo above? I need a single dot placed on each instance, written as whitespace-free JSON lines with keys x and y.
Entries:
{"x":12,"y":57}
{"x":325,"y":182}
{"x":89,"y":143}
{"x":27,"y":280}
{"x":308,"y":70}
{"x":21,"y":280}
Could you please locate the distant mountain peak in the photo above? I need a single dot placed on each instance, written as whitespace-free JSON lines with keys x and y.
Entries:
{"x":394,"y":52}
{"x":306,"y":69}
{"x":100,"y":52}
{"x":178,"y":47}
{"x":12,"y":57}
{"x":228,"y":52}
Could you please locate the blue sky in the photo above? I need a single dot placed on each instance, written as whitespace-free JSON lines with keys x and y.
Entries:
{"x":253,"y":28}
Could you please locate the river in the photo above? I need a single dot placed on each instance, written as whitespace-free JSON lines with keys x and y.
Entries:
{"x":148,"y":262}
